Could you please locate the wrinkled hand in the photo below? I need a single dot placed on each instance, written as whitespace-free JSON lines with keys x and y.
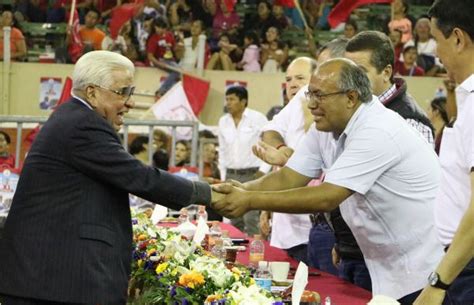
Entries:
{"x":265,"y":227}
{"x":430,"y":296}
{"x":269,"y":154}
{"x":234,"y":201}
{"x":216,"y":197}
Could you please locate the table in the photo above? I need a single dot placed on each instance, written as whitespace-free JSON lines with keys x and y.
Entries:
{"x":340,"y":291}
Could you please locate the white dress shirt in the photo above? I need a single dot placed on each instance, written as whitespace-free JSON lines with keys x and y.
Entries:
{"x":394,"y":174}
{"x":235,"y":142}
{"x":457,"y":159}
{"x":290,"y":230}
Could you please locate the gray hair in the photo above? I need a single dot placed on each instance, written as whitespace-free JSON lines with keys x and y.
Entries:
{"x":336,"y":47}
{"x":96,"y":67}
{"x":353,"y":78}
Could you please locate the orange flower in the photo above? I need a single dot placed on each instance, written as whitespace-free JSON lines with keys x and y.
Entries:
{"x":192,"y":279}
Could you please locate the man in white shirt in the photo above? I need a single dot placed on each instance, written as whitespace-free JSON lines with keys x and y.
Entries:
{"x":453,"y":29}
{"x":239,"y":129}
{"x":289,"y":231}
{"x":381,"y":173}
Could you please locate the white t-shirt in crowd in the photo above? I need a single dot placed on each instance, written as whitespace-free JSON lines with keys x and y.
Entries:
{"x":457,"y":159}
{"x":290,"y":230}
{"x":394,"y":174}
{"x":235,"y":143}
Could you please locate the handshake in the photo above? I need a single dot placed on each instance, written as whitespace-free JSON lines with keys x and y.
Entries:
{"x":230,"y":199}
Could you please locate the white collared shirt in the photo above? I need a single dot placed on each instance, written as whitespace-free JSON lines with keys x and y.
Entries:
{"x":235,"y":143}
{"x":290,"y":230}
{"x":457,"y":159}
{"x":82,"y":101}
{"x":394,"y":173}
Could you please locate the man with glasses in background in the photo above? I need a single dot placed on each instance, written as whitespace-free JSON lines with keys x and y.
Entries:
{"x":382,"y":175}
{"x":68,"y":237}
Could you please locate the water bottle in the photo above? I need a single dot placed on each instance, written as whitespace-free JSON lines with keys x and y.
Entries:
{"x":263,"y":277}
{"x":218,"y":250}
{"x":226,"y":239}
{"x":256,"y":252}
{"x":202,"y":213}
{"x":183,"y":216}
{"x":440,"y":92}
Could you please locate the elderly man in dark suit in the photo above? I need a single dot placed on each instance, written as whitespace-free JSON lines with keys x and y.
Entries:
{"x":68,"y":236}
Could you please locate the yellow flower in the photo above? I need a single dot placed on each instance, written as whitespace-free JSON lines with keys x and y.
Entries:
{"x":150,"y":252}
{"x":192,"y":279}
{"x":140,"y":263}
{"x":174,"y":272}
{"x":252,"y":281}
{"x":161,"y":267}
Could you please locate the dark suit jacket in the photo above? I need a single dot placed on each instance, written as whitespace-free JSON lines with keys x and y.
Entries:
{"x":68,"y":236}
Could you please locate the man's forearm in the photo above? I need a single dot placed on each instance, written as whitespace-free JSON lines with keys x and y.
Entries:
{"x":283,"y":179}
{"x":323,"y":198}
{"x":461,"y":250}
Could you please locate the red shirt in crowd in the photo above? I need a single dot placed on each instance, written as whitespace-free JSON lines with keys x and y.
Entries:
{"x":7,"y":162}
{"x":161,"y":46}
{"x":413,"y":71}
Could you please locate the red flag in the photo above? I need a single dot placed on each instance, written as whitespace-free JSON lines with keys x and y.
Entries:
{"x":120,"y":15}
{"x":196,"y":91}
{"x":65,"y":93}
{"x":75,"y":46}
{"x":230,"y":4}
{"x":342,"y":11}
{"x":285,"y":3}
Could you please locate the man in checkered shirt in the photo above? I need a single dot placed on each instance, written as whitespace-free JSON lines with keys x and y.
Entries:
{"x":373,"y":52}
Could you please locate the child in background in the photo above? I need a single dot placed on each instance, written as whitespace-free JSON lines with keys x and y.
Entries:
{"x":250,"y":61}
{"x":408,"y":67}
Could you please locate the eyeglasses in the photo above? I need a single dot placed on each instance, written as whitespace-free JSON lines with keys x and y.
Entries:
{"x":125,"y":92}
{"x":318,"y":97}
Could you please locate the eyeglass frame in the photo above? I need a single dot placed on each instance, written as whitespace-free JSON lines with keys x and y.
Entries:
{"x":311,"y":95}
{"x":125,"y":92}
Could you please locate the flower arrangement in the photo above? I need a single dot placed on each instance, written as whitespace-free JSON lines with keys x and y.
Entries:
{"x":169,"y":269}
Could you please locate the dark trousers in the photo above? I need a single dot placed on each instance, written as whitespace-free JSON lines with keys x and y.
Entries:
{"x":321,"y":242}
{"x":356,"y":272}
{"x":299,"y":253}
{"x":461,"y":291}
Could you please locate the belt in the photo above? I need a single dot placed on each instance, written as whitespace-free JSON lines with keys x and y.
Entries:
{"x":242,"y":171}
{"x":317,"y":218}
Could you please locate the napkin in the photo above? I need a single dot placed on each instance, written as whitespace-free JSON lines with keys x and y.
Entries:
{"x":159,"y":212}
{"x":201,"y":231}
{"x":299,"y":283}
{"x":383,"y":300}
{"x":186,"y":229}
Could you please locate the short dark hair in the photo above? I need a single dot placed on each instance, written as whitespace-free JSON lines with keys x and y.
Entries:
{"x":453,"y":14}
{"x":6,"y":136}
{"x":439,"y":103}
{"x":137,"y":145}
{"x":336,"y":47}
{"x":95,"y":11}
{"x":160,"y":22}
{"x":161,"y":159}
{"x":252,"y":35}
{"x":353,"y":23}
{"x":379,"y":44}
{"x":239,"y":91}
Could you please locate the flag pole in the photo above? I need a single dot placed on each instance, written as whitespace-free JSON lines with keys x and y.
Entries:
{"x":300,"y":11}
{"x":71,"y":13}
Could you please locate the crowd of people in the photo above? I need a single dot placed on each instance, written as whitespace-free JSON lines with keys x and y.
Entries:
{"x":351,"y":176}
{"x":168,"y":33}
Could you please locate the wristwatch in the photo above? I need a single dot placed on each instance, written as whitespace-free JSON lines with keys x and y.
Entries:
{"x":434,"y":281}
